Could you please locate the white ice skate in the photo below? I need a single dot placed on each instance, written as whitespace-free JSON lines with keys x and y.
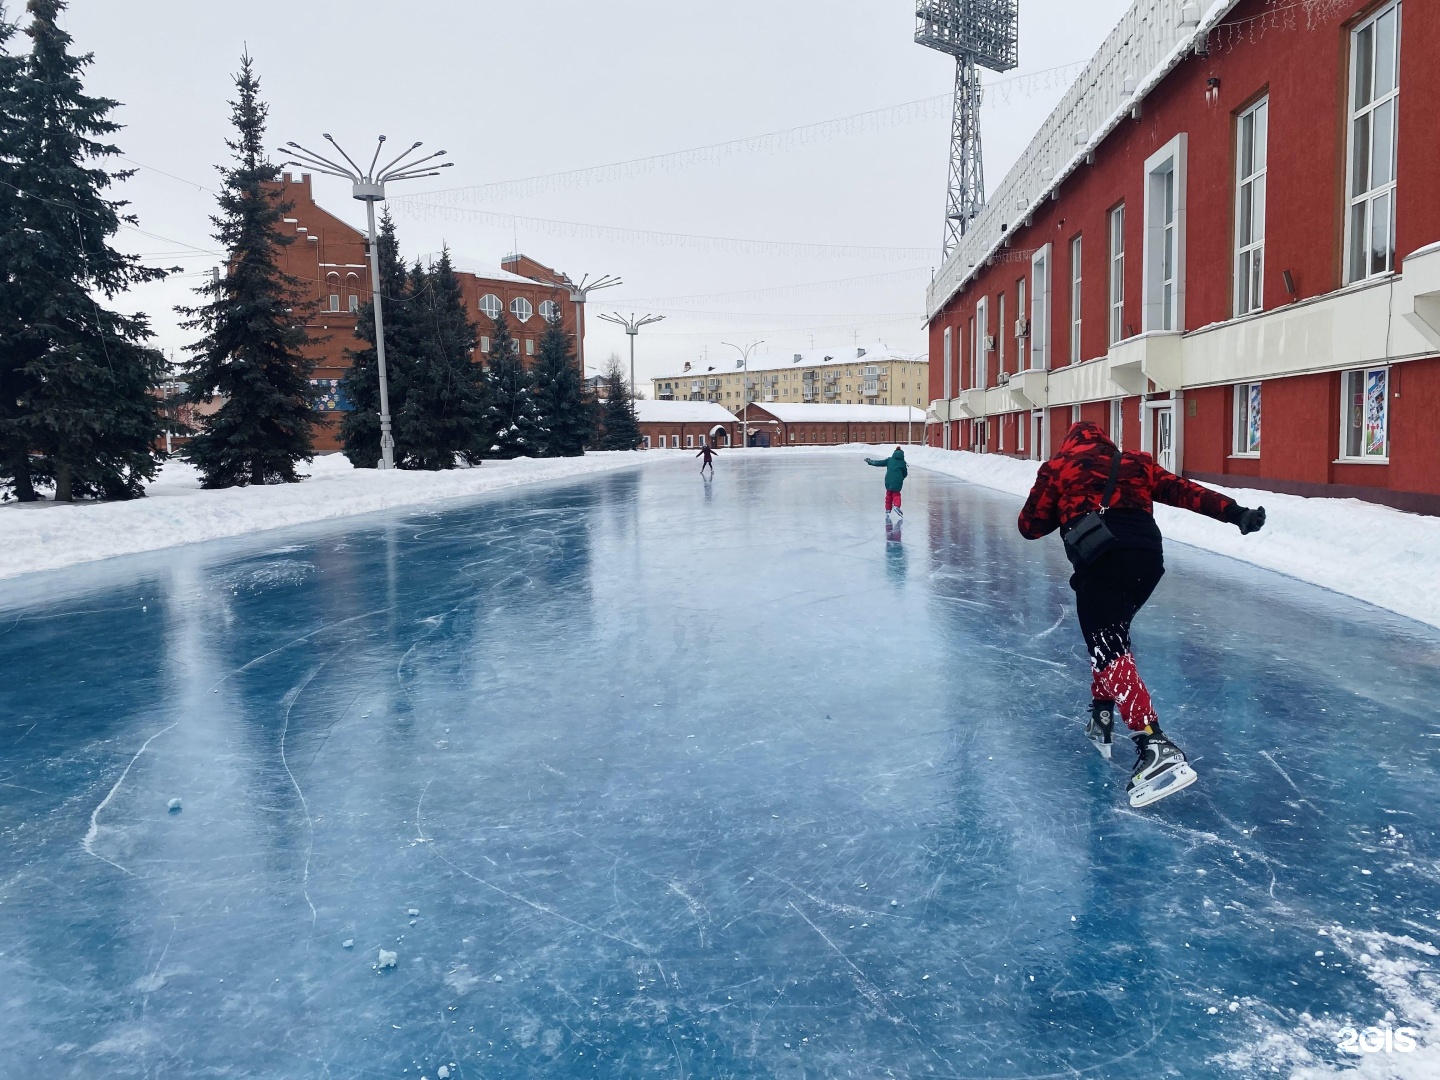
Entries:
{"x":1161,"y":770}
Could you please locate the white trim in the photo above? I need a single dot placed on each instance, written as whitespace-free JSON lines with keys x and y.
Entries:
{"x":1115,"y":274}
{"x":1362,"y":459}
{"x":1077,"y":297}
{"x":949,"y":359}
{"x":1042,"y":273}
{"x":1251,"y":190}
{"x":1366,"y":200}
{"x":1165,"y":173}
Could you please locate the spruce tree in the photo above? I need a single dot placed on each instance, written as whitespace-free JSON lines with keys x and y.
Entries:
{"x":79,"y":404}
{"x":253,"y":322}
{"x":514,"y":419}
{"x":360,"y":428}
{"x":621,"y":428}
{"x":566,"y":415}
{"x":444,"y":414}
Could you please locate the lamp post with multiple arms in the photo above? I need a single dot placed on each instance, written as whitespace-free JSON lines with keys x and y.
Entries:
{"x":632,"y":327}
{"x":368,"y":186}
{"x":745,"y":363}
{"x":578,"y":295}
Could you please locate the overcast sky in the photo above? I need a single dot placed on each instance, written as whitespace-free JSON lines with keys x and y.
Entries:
{"x":520,"y":89}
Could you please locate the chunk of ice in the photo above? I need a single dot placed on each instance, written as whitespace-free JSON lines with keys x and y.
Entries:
{"x":174,"y":805}
{"x":388,"y":958}
{"x":413,"y":912}
{"x":348,"y":943}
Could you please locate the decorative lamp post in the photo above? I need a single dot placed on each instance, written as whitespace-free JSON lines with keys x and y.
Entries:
{"x":745,"y":363}
{"x":368,"y":186}
{"x":578,"y":295}
{"x":632,"y":327}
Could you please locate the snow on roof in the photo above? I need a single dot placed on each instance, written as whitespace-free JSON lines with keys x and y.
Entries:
{"x":1149,"y":41}
{"x":801,"y":413}
{"x":480,"y":270}
{"x":836,"y":357}
{"x":681,"y":412}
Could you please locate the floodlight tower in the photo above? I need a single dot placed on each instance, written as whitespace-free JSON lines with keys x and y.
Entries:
{"x":978,"y":33}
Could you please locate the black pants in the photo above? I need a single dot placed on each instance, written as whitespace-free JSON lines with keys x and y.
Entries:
{"x":1108,"y":593}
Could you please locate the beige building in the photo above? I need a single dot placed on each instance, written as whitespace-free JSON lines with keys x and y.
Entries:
{"x":856,"y":375}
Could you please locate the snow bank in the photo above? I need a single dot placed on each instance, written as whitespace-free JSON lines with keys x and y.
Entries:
{"x":46,"y":535}
{"x":1382,"y":556}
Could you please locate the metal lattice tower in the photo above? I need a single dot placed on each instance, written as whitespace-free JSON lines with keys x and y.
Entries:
{"x":978,"y":33}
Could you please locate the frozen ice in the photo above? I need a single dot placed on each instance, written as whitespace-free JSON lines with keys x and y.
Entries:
{"x":649,"y":904}
{"x":348,"y":943}
{"x":174,"y":804}
{"x":388,"y":958}
{"x":412,"y":912}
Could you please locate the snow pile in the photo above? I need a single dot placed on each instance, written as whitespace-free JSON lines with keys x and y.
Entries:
{"x":1382,"y":556}
{"x":46,"y":535}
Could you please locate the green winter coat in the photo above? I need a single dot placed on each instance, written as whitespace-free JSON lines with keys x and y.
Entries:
{"x":895,"y":469}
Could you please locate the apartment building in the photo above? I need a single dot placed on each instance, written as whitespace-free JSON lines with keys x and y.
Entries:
{"x":330,"y":258}
{"x":1223,"y":246}
{"x":862,"y":375}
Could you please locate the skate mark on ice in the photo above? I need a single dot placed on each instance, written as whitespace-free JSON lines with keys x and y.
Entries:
{"x":697,"y":910}
{"x":1303,"y":797}
{"x":296,"y":641}
{"x":1053,"y":627}
{"x":868,"y":990}
{"x":94,"y":829}
{"x":830,"y":905}
{"x":289,"y":701}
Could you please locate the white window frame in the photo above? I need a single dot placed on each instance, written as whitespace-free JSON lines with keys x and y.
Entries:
{"x":522,"y":304}
{"x":1249,"y":403}
{"x":1040,"y":299}
{"x":354,"y":302}
{"x":646,"y":439}
{"x":1001,"y":332}
{"x":1022,"y":311}
{"x":1115,"y":222}
{"x":1077,"y":277}
{"x":949,"y":359}
{"x":1022,"y":421}
{"x":1252,"y":136}
{"x":1162,"y":293}
{"x":1039,"y":422}
{"x":549,"y":309}
{"x":1350,"y":412}
{"x":1117,"y":422}
{"x":978,"y":359}
{"x":689,"y":442}
{"x":491,"y":310}
{"x":529,"y":346}
{"x":1361,"y":218}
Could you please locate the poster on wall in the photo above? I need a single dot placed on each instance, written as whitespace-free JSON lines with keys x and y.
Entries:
{"x":1375,"y":426}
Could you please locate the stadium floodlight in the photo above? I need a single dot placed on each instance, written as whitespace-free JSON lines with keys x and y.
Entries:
{"x":368,"y":186}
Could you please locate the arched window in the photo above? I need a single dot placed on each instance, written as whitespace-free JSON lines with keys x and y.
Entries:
{"x":352,"y":292}
{"x":332,"y":290}
{"x":521,"y":309}
{"x":490,"y":304}
{"x":549,"y":310}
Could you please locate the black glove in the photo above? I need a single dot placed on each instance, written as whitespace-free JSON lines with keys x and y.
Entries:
{"x":1251,"y":520}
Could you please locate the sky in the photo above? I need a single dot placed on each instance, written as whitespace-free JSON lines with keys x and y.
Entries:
{"x":515,"y":90}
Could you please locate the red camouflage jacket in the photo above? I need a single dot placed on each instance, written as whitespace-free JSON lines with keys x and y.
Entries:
{"x":1070,"y":484}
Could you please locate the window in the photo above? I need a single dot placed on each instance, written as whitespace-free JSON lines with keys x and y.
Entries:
{"x":529,"y":346}
{"x":1163,"y":293}
{"x":484,"y":344}
{"x":1020,"y":424}
{"x":1365,"y":435}
{"x":354,"y":303}
{"x":1247,"y":419}
{"x":690,"y":442}
{"x":979,"y":356}
{"x":1000,"y":337}
{"x":1040,"y":310}
{"x":1374,"y":99}
{"x":1117,"y":274}
{"x":1117,"y":423}
{"x":1250,"y":156}
{"x":332,"y":287}
{"x":945,"y":378}
{"x":490,"y":304}
{"x":333,"y":303}
{"x":704,"y":442}
{"x":549,"y":310}
{"x":646,"y":441}
{"x":1075,"y":314}
{"x":521,"y":309}
{"x":1022,"y":331}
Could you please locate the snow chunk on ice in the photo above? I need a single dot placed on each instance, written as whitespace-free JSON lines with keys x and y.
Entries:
{"x":388,"y":959}
{"x":174,"y":805}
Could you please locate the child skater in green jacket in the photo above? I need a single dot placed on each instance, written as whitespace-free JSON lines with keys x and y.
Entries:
{"x":895,"y":472}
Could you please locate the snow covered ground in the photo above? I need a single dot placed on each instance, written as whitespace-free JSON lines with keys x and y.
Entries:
{"x":1385,"y":557}
{"x":176,"y":510}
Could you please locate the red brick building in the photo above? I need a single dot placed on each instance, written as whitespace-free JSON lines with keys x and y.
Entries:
{"x":686,"y":425}
{"x":800,"y":424}
{"x":1228,"y":227}
{"x":330,"y":258}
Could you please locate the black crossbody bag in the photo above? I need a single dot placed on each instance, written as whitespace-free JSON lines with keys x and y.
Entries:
{"x":1090,"y":537}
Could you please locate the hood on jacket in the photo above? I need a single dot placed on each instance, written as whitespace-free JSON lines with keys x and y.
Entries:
{"x":1082,"y":436}
{"x":899,"y":453}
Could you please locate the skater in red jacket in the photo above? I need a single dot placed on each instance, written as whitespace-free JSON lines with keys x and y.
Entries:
{"x":1101,"y":500}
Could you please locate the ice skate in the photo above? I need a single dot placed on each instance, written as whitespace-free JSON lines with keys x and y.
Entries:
{"x":899,"y":513}
{"x":1101,"y":729}
{"x":1160,"y":770}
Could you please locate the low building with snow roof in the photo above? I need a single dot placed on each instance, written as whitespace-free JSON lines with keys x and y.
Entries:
{"x":686,"y":425}
{"x":802,"y":424}
{"x":853,"y":375}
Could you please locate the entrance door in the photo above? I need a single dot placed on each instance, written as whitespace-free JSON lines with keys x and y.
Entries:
{"x":1037,"y":437}
{"x":1165,"y":438}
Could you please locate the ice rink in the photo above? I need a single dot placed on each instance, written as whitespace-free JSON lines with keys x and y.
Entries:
{"x":640,"y":776}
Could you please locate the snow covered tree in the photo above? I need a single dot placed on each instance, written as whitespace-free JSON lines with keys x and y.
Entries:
{"x":621,"y":430}
{"x":514,"y":419}
{"x":78,"y":386}
{"x":360,"y":428}
{"x":566,"y":415}
{"x":253,"y":321}
{"x":444,"y":413}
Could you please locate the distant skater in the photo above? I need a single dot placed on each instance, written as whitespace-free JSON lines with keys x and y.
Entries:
{"x":895,"y":472}
{"x":1101,"y":499}
{"x":709,"y":463}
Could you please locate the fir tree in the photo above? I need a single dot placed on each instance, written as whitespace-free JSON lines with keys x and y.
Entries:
{"x":567,"y":416}
{"x":360,"y":428}
{"x":252,"y":351}
{"x":514,"y":419}
{"x":444,"y":414}
{"x":79,"y":403}
{"x":621,"y":428}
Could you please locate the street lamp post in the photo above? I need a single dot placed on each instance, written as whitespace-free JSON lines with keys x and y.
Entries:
{"x":745,"y":363}
{"x":578,"y":295}
{"x":368,"y":186}
{"x":632,"y":327}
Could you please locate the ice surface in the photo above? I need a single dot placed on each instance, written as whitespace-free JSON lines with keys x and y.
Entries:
{"x":846,"y":717}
